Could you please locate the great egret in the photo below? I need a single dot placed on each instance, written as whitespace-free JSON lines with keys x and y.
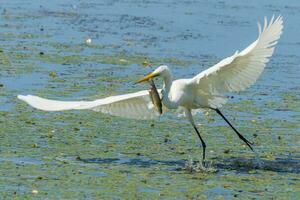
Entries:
{"x":204,"y":91}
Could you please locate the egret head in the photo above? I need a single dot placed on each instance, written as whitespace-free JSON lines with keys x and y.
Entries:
{"x":162,"y":70}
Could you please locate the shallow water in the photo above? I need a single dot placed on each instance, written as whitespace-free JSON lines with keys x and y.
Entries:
{"x":83,"y":154}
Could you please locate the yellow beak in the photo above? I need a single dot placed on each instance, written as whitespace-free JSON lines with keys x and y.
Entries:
{"x":147,"y":77}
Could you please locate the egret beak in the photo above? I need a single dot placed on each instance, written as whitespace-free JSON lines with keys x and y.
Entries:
{"x":147,"y":77}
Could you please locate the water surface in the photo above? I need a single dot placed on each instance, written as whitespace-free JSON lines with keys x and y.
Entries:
{"x":83,"y":154}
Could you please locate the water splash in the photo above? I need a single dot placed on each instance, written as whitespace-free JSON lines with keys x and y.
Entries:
{"x":198,"y":166}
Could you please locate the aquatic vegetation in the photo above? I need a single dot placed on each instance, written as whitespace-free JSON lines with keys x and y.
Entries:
{"x":88,"y":155}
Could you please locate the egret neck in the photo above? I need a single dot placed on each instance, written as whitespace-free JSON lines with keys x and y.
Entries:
{"x":166,"y":95}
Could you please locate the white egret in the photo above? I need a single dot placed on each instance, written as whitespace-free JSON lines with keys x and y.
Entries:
{"x":204,"y":91}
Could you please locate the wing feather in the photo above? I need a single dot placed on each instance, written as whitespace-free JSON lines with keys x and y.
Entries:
{"x":136,"y":105}
{"x":242,"y":69}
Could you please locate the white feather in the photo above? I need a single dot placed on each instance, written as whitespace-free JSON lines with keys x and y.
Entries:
{"x":241,"y":70}
{"x":136,"y":105}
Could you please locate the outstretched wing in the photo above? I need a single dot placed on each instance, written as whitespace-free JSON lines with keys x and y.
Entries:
{"x":242,"y":69}
{"x":136,"y":105}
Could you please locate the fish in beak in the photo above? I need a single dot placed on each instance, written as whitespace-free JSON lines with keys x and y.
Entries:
{"x":155,"y":98}
{"x":148,"y":77}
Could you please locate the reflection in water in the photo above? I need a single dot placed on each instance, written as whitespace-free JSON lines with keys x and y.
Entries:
{"x":291,"y":165}
{"x":141,"y":162}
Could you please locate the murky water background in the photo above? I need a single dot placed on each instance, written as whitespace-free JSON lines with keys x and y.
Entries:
{"x":84,"y":154}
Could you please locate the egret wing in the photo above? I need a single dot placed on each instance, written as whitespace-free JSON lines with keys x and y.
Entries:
{"x":136,"y":105}
{"x":241,"y":70}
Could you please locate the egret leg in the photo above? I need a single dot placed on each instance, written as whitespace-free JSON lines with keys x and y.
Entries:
{"x":240,"y":135}
{"x":202,"y":141}
{"x":190,"y":118}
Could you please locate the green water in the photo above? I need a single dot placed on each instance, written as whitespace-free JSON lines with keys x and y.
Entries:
{"x":89,"y":155}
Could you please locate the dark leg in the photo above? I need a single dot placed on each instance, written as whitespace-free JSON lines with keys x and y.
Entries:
{"x":202,"y":141}
{"x":240,"y":135}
